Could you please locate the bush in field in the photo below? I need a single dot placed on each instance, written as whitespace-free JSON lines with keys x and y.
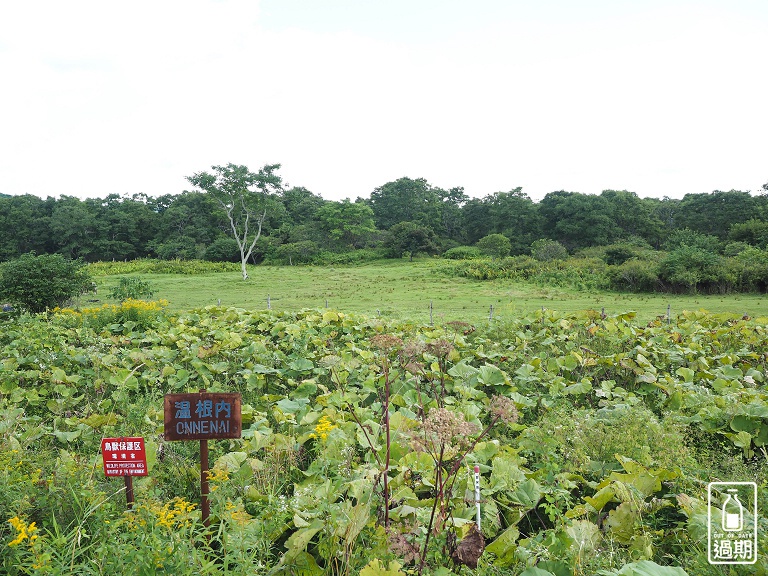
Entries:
{"x":463,"y":253}
{"x":223,"y":249}
{"x":634,"y":275}
{"x":135,"y":314}
{"x":301,"y":252}
{"x":132,"y":288}
{"x":153,"y":266}
{"x":692,"y":239}
{"x":495,"y":245}
{"x":545,"y":250}
{"x":752,"y":265}
{"x":689,"y":268}
{"x":37,"y":283}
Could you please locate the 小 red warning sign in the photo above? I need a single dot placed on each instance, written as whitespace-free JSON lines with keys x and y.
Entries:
{"x":124,"y":456}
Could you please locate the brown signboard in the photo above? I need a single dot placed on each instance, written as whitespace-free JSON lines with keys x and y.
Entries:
{"x":202,"y":416}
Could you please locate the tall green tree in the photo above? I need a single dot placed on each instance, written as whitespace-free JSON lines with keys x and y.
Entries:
{"x":406,"y":200}
{"x":634,"y":216}
{"x":409,"y":238}
{"x":25,"y":225}
{"x":245,"y":197}
{"x":75,"y":228}
{"x":125,"y":227}
{"x":511,"y":213}
{"x":715,"y":213}
{"x":578,"y":220}
{"x":348,"y":224}
{"x":188,"y":224}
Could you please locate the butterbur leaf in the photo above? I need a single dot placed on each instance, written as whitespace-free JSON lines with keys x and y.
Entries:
{"x":533,"y":571}
{"x":621,"y":522}
{"x":231,"y":461}
{"x":585,"y":535}
{"x":67,"y":436}
{"x":375,"y":568}
{"x":527,"y":494}
{"x":504,"y":546}
{"x":650,"y":568}
{"x":299,"y":540}
{"x":601,"y":498}
{"x":491,"y":376}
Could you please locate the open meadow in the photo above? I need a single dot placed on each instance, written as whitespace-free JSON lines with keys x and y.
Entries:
{"x":402,"y":289}
{"x":549,"y":441}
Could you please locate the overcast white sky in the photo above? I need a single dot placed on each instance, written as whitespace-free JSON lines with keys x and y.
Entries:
{"x":659,"y":97}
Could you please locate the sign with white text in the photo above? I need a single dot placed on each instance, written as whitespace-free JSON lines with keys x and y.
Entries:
{"x":732,"y":522}
{"x":124,"y":456}
{"x":202,"y":416}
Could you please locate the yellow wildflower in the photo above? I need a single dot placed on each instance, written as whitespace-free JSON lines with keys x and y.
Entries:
{"x":24,"y":531}
{"x":323,"y":427}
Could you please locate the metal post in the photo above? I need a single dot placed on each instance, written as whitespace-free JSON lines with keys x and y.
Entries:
{"x":269,"y":303}
{"x":430,"y":314}
{"x":490,"y":314}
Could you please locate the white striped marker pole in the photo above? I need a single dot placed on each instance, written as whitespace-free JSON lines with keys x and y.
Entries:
{"x":477,"y":495}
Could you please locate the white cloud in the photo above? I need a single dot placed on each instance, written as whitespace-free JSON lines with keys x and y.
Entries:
{"x":663,"y":98}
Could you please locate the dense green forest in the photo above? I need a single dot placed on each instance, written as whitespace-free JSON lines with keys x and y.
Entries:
{"x":710,"y":241}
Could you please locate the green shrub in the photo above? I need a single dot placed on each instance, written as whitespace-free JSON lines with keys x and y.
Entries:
{"x":495,"y":245}
{"x":38,"y":283}
{"x":463,"y":253}
{"x":634,"y":275}
{"x":153,"y":266}
{"x":223,"y":249}
{"x":693,"y":269}
{"x":545,"y":250}
{"x":301,"y":252}
{"x":134,"y":288}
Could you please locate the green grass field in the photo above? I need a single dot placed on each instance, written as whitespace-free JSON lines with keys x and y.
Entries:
{"x":402,"y":289}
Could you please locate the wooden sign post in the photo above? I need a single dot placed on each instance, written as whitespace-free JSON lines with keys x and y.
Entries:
{"x":202,"y":416}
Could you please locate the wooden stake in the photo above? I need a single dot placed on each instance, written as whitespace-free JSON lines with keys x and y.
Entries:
{"x":205,"y":505}
{"x":128,"y":491}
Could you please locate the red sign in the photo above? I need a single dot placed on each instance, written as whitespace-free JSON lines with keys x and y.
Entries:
{"x":202,"y":416}
{"x":124,"y":456}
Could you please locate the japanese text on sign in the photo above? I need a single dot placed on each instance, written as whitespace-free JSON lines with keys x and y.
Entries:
{"x":202,"y":416}
{"x":124,"y":456}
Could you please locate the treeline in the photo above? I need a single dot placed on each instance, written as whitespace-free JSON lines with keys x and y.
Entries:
{"x":403,"y":217}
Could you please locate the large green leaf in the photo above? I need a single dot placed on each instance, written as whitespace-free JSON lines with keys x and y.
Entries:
{"x":650,"y":568}
{"x":376,"y":568}
{"x":527,"y":494}
{"x":533,"y":571}
{"x":504,"y":546}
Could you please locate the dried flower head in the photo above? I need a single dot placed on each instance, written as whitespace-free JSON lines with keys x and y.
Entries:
{"x":415,"y":368}
{"x":440,"y":348}
{"x":443,"y":426}
{"x":412,"y":351}
{"x":504,"y":409}
{"x":402,"y":543}
{"x":386,"y":343}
